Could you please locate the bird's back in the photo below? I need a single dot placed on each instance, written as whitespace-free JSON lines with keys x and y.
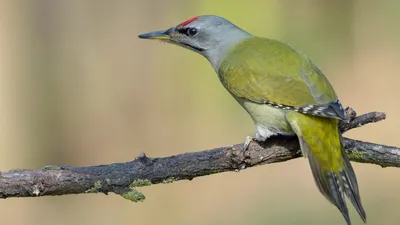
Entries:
{"x":261,"y":69}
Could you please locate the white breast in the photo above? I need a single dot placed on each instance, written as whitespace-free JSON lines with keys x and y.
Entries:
{"x":269,"y":121}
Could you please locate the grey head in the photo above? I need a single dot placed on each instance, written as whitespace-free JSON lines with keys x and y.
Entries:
{"x":210,"y":36}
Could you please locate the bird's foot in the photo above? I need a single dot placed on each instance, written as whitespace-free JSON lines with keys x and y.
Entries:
{"x":256,"y":137}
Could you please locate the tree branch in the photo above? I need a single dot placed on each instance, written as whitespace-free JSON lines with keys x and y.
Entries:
{"x":124,"y":178}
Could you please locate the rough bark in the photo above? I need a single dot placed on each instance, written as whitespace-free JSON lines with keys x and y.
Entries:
{"x":124,"y":178}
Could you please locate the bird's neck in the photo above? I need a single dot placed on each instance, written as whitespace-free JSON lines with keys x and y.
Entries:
{"x":218,"y":53}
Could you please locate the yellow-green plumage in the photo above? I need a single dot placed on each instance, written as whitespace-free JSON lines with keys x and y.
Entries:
{"x":260,"y":71}
{"x":322,"y":137}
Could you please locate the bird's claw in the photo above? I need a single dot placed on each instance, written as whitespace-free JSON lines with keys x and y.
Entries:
{"x":247,"y":142}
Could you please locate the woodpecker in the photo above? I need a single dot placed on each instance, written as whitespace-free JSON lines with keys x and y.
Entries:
{"x":284,"y":93}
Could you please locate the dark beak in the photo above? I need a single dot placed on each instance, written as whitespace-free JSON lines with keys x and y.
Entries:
{"x":161,"y":35}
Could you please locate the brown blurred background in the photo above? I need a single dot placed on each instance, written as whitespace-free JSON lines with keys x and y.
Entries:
{"x":78,"y":87}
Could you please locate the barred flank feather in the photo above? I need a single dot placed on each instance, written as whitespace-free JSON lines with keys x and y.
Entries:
{"x":331,"y":110}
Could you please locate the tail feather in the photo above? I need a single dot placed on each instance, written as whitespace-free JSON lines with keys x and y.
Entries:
{"x":351,"y":187}
{"x":351,"y":184}
{"x":329,"y":184}
{"x":335,"y":184}
{"x":320,"y":141}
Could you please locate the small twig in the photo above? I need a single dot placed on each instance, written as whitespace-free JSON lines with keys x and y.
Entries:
{"x":359,"y":121}
{"x":124,"y":178}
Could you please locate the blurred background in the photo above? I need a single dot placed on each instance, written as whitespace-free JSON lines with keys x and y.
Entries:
{"x":78,"y":87}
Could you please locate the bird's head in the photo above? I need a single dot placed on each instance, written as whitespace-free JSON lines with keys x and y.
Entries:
{"x":202,"y":34}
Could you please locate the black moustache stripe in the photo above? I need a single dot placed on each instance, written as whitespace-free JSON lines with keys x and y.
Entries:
{"x":194,"y":47}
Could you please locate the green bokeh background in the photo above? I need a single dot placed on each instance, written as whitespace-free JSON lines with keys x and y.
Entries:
{"x":78,"y":87}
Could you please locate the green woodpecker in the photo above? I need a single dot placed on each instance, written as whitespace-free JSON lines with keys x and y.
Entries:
{"x":284,"y":93}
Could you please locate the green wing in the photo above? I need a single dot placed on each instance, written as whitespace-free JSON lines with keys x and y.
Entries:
{"x":271,"y":72}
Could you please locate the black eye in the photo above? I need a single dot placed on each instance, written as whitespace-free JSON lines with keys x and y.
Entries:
{"x":192,"y":31}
